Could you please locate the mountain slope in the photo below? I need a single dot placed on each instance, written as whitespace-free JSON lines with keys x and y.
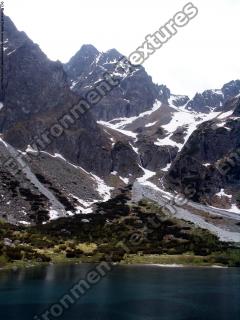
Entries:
{"x":214,"y":100}
{"x":69,"y":159}
{"x":207,"y":168}
{"x":38,"y":108}
{"x":135,"y":93}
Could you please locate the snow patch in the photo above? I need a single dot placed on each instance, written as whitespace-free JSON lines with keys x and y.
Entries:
{"x":222,"y":125}
{"x":168,"y":142}
{"x":74,"y":83}
{"x":222,"y":193}
{"x":8,"y":54}
{"x":98,"y":57}
{"x":167,"y":167}
{"x":125,"y":180}
{"x":225,"y":114}
{"x":234,"y":209}
{"x":207,"y":164}
{"x":115,"y":127}
{"x":183,"y":118}
{"x":134,"y":148}
{"x":85,"y":206}
{"x":122,"y":122}
{"x":53,"y":214}
{"x":24,"y":223}
{"x":103,"y":189}
{"x":31,"y":150}
{"x":150,"y":124}
{"x":147,"y":175}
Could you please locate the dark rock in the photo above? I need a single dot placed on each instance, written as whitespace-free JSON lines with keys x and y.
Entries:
{"x":216,"y":143}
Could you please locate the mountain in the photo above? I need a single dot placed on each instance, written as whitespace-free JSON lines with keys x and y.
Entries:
{"x":37,"y":117}
{"x":214,"y":100}
{"x":60,"y":157}
{"x":31,"y":82}
{"x":208,"y":166}
{"x":135,"y":93}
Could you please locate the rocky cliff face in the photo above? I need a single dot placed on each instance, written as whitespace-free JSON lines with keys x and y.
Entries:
{"x":135,"y":93}
{"x":32,"y":83}
{"x":36,"y":95}
{"x":214,"y":100}
{"x":208,"y":167}
{"x":38,"y":112}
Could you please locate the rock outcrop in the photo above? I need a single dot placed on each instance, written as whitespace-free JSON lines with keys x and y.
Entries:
{"x":209,"y":161}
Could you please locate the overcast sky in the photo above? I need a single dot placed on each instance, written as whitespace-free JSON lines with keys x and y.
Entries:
{"x":204,"y":54}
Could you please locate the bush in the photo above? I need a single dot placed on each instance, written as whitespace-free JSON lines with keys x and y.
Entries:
{"x":43,"y":258}
{"x":62,"y":247}
{"x":74,"y":253}
{"x":230,"y":257}
{"x":36,"y":256}
{"x":13,"y":253}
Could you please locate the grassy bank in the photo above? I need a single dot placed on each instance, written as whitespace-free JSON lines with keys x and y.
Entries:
{"x":124,"y":233}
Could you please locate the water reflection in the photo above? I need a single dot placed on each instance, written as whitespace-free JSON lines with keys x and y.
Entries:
{"x":127,"y":293}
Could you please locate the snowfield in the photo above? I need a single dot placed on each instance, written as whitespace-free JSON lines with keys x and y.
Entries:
{"x":184,"y":119}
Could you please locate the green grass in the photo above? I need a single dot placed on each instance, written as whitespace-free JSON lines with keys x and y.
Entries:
{"x":184,"y":259}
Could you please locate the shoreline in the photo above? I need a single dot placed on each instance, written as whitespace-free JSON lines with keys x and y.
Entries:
{"x":25,"y":266}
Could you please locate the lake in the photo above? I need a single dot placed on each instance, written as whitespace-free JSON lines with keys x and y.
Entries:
{"x":125,"y":293}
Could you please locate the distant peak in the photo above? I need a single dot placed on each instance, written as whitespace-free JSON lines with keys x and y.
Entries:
{"x":114,"y":53}
{"x":88,"y":49}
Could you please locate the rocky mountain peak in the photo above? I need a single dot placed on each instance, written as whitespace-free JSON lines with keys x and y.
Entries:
{"x":79,"y":63}
{"x":164,"y":93}
{"x":30,"y":80}
{"x":231,"y":89}
{"x":214,"y":100}
{"x":206,"y":101}
{"x":136,"y":91}
{"x":112,"y":55}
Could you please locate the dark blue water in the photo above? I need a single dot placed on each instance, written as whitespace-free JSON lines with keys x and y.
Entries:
{"x":126,"y":293}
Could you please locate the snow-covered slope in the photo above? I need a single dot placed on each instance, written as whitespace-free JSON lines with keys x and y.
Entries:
{"x":184,"y":121}
{"x":32,"y":190}
{"x":157,"y":135}
{"x":165,"y":116}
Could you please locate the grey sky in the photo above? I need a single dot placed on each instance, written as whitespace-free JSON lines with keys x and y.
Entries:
{"x":204,"y":54}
